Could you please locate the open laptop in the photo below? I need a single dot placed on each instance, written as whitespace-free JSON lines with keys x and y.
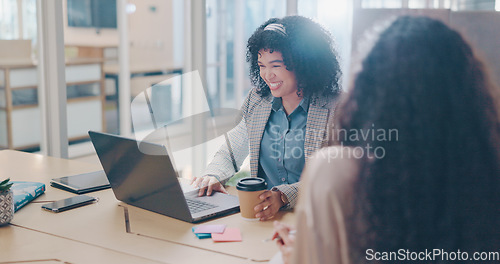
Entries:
{"x":149,"y":181}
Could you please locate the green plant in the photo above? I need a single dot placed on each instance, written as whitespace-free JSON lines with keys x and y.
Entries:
{"x":234,"y":180}
{"x":5,"y":185}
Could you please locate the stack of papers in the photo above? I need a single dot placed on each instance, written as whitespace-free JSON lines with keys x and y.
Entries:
{"x":218,"y":233}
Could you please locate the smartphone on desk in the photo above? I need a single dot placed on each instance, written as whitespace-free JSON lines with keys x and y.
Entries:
{"x":69,"y":203}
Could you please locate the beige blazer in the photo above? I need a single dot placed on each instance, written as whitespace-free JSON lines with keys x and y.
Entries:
{"x":325,"y":201}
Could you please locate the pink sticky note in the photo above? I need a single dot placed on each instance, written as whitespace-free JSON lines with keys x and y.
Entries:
{"x":229,"y":235}
{"x":218,"y":229}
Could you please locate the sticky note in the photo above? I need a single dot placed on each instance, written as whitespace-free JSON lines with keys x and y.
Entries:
{"x":229,"y":235}
{"x":219,"y":229}
{"x":201,"y":235}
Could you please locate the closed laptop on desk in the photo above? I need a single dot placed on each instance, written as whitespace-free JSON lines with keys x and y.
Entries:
{"x":150,"y":181}
{"x":82,"y":183}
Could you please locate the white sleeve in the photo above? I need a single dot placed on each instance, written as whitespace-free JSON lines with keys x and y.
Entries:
{"x":324,"y":202}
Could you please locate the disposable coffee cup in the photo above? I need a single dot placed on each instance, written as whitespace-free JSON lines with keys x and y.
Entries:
{"x":249,"y":189}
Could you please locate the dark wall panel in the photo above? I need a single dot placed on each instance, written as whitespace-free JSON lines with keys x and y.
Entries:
{"x":480,"y":28}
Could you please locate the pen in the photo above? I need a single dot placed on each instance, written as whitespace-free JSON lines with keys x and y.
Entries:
{"x":276,"y":236}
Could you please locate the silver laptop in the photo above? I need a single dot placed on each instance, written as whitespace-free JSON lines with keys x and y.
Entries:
{"x":149,"y":181}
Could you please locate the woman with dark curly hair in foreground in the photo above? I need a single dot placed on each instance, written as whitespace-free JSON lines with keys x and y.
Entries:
{"x":295,"y":71}
{"x":431,"y":188}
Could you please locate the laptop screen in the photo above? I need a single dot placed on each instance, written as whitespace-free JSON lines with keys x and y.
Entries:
{"x":144,"y":180}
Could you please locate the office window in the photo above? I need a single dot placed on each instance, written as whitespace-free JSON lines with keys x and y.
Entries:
{"x":229,"y":25}
{"x":11,"y":16}
{"x":382,"y":4}
{"x":29,"y":20}
{"x":455,"y":5}
{"x":9,"y":25}
{"x":336,"y":17}
{"x":416,"y":4}
{"x":256,"y":13}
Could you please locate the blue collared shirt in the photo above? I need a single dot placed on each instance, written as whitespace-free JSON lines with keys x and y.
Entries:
{"x":281,"y":157}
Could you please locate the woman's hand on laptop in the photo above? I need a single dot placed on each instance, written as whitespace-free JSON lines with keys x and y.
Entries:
{"x":208,"y":184}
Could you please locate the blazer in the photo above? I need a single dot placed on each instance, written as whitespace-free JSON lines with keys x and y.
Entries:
{"x":323,"y":210}
{"x":245,"y":138}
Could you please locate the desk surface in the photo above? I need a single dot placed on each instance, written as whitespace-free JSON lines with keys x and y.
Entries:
{"x":111,"y":230}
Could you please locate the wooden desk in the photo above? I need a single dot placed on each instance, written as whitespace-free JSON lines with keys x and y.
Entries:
{"x":114,"y":230}
{"x":20,"y":245}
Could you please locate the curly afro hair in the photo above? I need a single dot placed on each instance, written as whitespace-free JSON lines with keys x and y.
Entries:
{"x":307,"y":50}
{"x":437,"y":185}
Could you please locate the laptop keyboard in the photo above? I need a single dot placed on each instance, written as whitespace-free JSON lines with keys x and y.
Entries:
{"x":196,"y":206}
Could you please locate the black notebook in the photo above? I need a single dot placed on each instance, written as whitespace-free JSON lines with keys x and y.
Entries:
{"x":82,"y":183}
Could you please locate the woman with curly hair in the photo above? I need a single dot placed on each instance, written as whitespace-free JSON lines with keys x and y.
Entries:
{"x":295,"y":73}
{"x":434,"y":193}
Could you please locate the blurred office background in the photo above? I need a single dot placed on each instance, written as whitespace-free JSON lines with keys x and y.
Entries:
{"x":69,"y":66}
